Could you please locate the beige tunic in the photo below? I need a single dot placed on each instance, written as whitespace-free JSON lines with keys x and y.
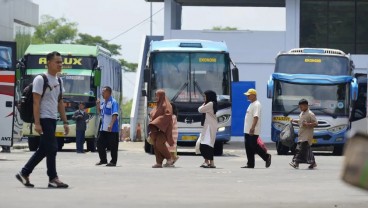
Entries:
{"x":306,"y":132}
{"x":208,"y":134}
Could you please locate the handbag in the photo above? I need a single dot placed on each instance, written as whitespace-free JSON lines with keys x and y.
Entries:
{"x":149,"y":140}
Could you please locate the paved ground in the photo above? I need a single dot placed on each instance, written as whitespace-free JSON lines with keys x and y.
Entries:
{"x":134,"y":184}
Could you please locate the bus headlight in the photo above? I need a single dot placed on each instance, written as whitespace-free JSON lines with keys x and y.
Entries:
{"x":221,"y":129}
{"x":223,"y":118}
{"x":338,"y":129}
{"x":278,"y":126}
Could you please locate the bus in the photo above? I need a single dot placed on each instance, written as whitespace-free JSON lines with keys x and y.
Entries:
{"x":325,"y":78}
{"x":86,"y":69}
{"x":359,"y":117}
{"x":7,"y":96}
{"x":185,"y":69}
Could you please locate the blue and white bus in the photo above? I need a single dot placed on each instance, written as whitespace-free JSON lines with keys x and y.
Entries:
{"x":325,"y":78}
{"x":185,"y":69}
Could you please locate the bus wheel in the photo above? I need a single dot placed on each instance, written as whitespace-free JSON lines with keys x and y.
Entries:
{"x":219,"y":148}
{"x":281,"y":149}
{"x":33,"y":143}
{"x":338,"y":150}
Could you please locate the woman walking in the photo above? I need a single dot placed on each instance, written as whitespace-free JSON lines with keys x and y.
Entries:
{"x":173,"y":149}
{"x":161,"y":129}
{"x":209,"y":123}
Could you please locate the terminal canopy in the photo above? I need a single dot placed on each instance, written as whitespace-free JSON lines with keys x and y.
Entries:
{"x":237,"y":3}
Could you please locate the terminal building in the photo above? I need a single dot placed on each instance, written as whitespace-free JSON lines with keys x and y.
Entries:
{"x":338,"y":24}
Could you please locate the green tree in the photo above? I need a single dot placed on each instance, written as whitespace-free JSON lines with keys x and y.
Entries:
{"x":130,"y":67}
{"x":23,"y":41}
{"x":227,"y":28}
{"x":127,"y":108}
{"x":86,"y":39}
{"x":53,"y":30}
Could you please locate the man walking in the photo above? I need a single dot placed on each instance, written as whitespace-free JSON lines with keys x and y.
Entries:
{"x":307,"y":121}
{"x":81,"y":120}
{"x":252,"y":130}
{"x":45,"y":115}
{"x":109,"y":130}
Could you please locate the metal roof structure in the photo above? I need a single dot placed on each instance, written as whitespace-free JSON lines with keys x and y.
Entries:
{"x":237,"y":3}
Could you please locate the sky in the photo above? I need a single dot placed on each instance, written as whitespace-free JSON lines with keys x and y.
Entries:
{"x":122,"y":22}
{"x":110,"y":18}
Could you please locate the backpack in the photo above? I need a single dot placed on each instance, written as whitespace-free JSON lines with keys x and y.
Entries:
{"x":287,"y":135}
{"x":26,"y":104}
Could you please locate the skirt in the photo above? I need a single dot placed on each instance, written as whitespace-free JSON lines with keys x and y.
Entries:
{"x":206,"y":151}
{"x":304,"y":154}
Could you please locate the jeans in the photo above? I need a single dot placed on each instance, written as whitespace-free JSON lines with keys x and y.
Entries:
{"x":80,"y":137}
{"x":48,"y":148}
{"x":108,"y":139}
{"x":251,"y":147}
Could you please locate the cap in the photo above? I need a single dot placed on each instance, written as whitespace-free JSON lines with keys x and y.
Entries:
{"x":303,"y":101}
{"x":251,"y":91}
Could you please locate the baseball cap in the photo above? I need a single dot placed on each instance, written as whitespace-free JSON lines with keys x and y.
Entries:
{"x":251,"y":91}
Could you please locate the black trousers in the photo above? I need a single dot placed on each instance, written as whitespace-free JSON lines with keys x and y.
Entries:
{"x":108,"y":140}
{"x":206,"y":151}
{"x":251,"y":147}
{"x":48,"y":148}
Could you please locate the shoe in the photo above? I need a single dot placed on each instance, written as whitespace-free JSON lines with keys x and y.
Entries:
{"x":210,"y":166}
{"x":56,"y":183}
{"x":176,"y":159}
{"x":110,"y":164}
{"x":313,"y":165}
{"x":294,"y":165}
{"x":157,"y":166}
{"x":101,"y":163}
{"x":247,"y":166}
{"x":166,"y":165}
{"x":268,"y":161}
{"x":24,"y":180}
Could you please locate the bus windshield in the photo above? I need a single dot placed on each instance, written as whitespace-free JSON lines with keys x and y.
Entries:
{"x":330,"y":100}
{"x":185,"y":76}
{"x":312,"y":64}
{"x":77,"y":84}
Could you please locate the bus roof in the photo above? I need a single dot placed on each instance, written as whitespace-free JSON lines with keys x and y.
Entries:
{"x":324,"y":51}
{"x":66,"y":49}
{"x":182,"y":45}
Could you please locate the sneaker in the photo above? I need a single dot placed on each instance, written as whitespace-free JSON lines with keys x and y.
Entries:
{"x":313,"y":165}
{"x":56,"y":183}
{"x":110,"y":164}
{"x":101,"y":163}
{"x":268,"y":161}
{"x":294,"y":165}
{"x":24,"y":180}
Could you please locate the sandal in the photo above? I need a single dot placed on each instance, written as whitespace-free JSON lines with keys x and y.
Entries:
{"x":204,"y":165}
{"x":157,"y":166}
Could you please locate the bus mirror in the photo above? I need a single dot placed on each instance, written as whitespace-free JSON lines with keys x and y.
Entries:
{"x":270,"y":88}
{"x":235,"y":72}
{"x":97,"y":77}
{"x":354,"y":89}
{"x":146,"y":74}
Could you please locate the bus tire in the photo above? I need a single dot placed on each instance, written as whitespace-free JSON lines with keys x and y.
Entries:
{"x":281,"y":149}
{"x":338,"y":150}
{"x":219,"y":148}
{"x":33,"y":143}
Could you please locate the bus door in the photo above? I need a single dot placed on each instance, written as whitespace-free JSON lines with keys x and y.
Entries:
{"x":359,"y":119}
{"x":7,"y":81}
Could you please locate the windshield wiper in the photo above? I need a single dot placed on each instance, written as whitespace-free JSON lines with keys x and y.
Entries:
{"x":323,"y":110}
{"x":292,"y":110}
{"x":178,"y":93}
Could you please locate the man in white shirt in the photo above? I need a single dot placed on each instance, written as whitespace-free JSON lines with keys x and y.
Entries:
{"x":252,"y":130}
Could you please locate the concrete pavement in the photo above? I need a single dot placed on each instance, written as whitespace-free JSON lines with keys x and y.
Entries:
{"x":133,"y":183}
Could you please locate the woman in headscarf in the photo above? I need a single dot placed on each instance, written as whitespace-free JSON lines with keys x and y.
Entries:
{"x":209,"y":123}
{"x":161,"y":129}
